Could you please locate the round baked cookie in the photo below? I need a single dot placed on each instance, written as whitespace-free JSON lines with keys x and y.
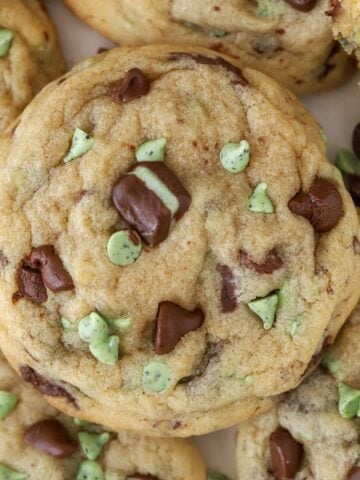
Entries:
{"x":290,"y":40}
{"x":38,"y":442}
{"x":346,"y":24}
{"x":176,"y":248}
{"x":29,"y":55}
{"x":313,"y":433}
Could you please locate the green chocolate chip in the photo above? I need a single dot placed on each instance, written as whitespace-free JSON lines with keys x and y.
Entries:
{"x":234,"y":157}
{"x":294,"y":326}
{"x":6,"y":38}
{"x":331,"y":363}
{"x":347,"y":162}
{"x":122,"y":249}
{"x":106,"y":351}
{"x":121,"y":323}
{"x":93,"y":328}
{"x":81,"y":143}
{"x":152,"y":151}
{"x":156,"y":377}
{"x":266,"y":308}
{"x":92,"y":443}
{"x":213,"y":475}
{"x":349,"y":401}
{"x":8,"y":474}
{"x":66,"y":324}
{"x":7,"y":403}
{"x":81,"y":423}
{"x":89,"y":470}
{"x":259,"y":200}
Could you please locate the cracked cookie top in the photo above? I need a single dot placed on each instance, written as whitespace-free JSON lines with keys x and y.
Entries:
{"x":29,"y":55}
{"x":175,"y":246}
{"x":290,"y":40}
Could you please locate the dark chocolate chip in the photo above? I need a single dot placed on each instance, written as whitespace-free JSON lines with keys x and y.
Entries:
{"x":30,"y":285}
{"x":205,"y":60}
{"x":271,"y":263}
{"x":228,"y":294}
{"x":212,"y":353}
{"x":53,"y":273}
{"x":302,"y":5}
{"x":45,"y":386}
{"x":354,"y":474}
{"x":322,"y":206}
{"x":286,"y":454}
{"x":142,"y":209}
{"x":51,"y":437}
{"x":172,"y":323}
{"x":356,"y":140}
{"x":134,"y":85}
{"x":334,"y":10}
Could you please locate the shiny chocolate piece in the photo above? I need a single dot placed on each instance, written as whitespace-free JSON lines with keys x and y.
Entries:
{"x":30,"y":285}
{"x":302,"y":5}
{"x":141,"y":205}
{"x":322,"y":205}
{"x":228,"y":294}
{"x":216,"y":60}
{"x":53,"y":273}
{"x":172,"y":323}
{"x":45,"y":386}
{"x":271,"y":263}
{"x":134,"y":85}
{"x":286,"y":454}
{"x":51,"y":437}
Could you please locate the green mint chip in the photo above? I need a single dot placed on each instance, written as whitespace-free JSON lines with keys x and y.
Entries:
{"x":259,"y":200}
{"x":151,"y":151}
{"x":81,"y":143}
{"x":6,"y":38}
{"x":266,"y":308}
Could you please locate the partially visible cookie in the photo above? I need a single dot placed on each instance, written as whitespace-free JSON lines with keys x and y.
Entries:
{"x":290,"y":40}
{"x":346,"y":23}
{"x":29,"y":55}
{"x":313,"y":433}
{"x":37,"y":443}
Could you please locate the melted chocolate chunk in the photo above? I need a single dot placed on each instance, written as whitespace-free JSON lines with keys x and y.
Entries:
{"x":228,"y":294}
{"x":205,"y":60}
{"x":142,"y":208}
{"x":322,"y":206}
{"x":51,"y":437}
{"x":302,"y":5}
{"x":134,"y":85}
{"x":172,"y":323}
{"x":286,"y":454}
{"x":354,"y":474}
{"x":30,"y":285}
{"x":212,"y":353}
{"x":271,"y":263}
{"x":45,"y":386}
{"x":53,"y":273}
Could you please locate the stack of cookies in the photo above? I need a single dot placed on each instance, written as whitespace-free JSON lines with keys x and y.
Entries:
{"x":177,"y":253}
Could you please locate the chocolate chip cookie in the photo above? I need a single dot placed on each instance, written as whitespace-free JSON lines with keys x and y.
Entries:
{"x":175,"y":245}
{"x":29,"y":55}
{"x":345,"y":15}
{"x":290,"y":40}
{"x":313,"y":433}
{"x":37,"y":442}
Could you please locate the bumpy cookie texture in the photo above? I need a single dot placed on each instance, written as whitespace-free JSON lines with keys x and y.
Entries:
{"x":313,"y":433}
{"x":289,"y":40}
{"x":38,"y":442}
{"x":345,"y":15}
{"x":29,"y":55}
{"x":173,"y":342}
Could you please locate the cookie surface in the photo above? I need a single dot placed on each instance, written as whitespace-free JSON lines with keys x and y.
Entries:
{"x":295,"y":47}
{"x":29,"y":55}
{"x":319,"y":442}
{"x":345,"y":15}
{"x":39,"y":442}
{"x":123,"y":221}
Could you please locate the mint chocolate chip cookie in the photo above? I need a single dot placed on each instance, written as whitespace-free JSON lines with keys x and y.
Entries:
{"x":142,"y":284}
{"x":290,"y":40}
{"x":38,"y":442}
{"x":313,"y":432}
{"x":29,"y":55}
